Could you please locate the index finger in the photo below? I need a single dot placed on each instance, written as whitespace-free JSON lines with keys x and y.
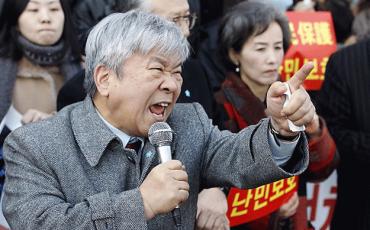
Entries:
{"x":297,"y":80}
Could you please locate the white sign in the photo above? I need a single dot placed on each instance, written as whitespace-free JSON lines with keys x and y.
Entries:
{"x":321,"y":198}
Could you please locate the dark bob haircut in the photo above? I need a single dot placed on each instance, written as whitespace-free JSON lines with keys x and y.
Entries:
{"x":11,"y":11}
{"x":245,"y":20}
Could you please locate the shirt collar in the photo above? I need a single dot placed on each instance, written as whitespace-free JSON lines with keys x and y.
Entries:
{"x":121,"y":135}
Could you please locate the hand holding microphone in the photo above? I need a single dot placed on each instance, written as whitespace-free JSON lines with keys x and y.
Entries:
{"x":166,"y":186}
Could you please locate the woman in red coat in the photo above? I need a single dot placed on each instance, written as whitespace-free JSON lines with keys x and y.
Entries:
{"x":253,"y":39}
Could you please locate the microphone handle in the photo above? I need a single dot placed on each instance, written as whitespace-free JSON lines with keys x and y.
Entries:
{"x":164,"y":152}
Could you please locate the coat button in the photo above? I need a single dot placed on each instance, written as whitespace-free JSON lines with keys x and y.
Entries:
{"x":131,"y":159}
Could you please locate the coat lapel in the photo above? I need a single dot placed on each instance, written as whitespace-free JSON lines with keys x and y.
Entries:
{"x":91,"y":134}
{"x":149,"y":159}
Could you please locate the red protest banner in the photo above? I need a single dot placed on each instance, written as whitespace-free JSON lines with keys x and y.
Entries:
{"x":250,"y":204}
{"x":313,"y":39}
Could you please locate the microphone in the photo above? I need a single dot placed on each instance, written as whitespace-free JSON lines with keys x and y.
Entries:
{"x":160,"y":135}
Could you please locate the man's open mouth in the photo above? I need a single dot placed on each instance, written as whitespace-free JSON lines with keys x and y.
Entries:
{"x":159,"y":108}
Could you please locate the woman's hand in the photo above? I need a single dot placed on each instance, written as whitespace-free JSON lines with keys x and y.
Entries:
{"x":289,"y":208}
{"x":313,"y":128}
{"x":211,"y":210}
{"x":33,"y":115}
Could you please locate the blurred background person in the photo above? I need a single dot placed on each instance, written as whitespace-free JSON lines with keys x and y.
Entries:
{"x":38,"y":53}
{"x":344,"y":103}
{"x":253,"y":39}
{"x":211,"y":14}
{"x":303,"y":6}
{"x":87,"y":13}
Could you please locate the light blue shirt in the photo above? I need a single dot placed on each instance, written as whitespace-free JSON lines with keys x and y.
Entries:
{"x":121,"y":135}
{"x":282,"y":150}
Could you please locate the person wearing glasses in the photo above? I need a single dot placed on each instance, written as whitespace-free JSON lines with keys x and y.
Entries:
{"x":212,"y":204}
{"x":195,"y":86}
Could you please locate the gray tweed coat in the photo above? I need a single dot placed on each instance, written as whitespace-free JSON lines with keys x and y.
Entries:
{"x":71,"y":171}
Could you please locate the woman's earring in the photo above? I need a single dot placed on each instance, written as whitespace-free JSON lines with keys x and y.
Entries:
{"x":237,"y":69}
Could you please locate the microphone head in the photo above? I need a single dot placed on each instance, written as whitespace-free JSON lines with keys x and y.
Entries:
{"x":160,"y":133}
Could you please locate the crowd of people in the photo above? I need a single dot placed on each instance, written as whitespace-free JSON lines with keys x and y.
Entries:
{"x":82,"y":80}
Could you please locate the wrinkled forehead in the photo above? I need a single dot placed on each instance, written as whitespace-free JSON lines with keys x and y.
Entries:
{"x":156,"y":57}
{"x":165,"y":57}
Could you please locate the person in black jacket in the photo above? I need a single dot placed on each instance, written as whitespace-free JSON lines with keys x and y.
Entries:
{"x":344,"y":103}
{"x":87,"y":13}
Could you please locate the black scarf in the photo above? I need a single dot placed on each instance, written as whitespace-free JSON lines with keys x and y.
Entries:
{"x":56,"y":55}
{"x":42,"y":55}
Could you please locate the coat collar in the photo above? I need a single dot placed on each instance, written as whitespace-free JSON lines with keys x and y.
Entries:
{"x":248,"y":106}
{"x":92,"y":135}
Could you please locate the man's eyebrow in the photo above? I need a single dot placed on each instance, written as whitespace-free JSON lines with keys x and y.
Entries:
{"x":158,"y":59}
{"x":179,"y":14}
{"x":164,"y":62}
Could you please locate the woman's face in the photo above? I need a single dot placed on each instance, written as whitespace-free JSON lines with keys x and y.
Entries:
{"x":42,"y":22}
{"x":261,"y":57}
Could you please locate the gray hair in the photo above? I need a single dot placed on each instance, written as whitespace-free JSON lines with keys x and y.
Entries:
{"x":120,"y":35}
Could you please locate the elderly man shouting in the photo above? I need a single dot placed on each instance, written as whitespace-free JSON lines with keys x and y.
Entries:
{"x":76,"y":170}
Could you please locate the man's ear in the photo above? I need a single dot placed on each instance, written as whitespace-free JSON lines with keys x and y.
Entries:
{"x":234,"y":57}
{"x":102,"y":75}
